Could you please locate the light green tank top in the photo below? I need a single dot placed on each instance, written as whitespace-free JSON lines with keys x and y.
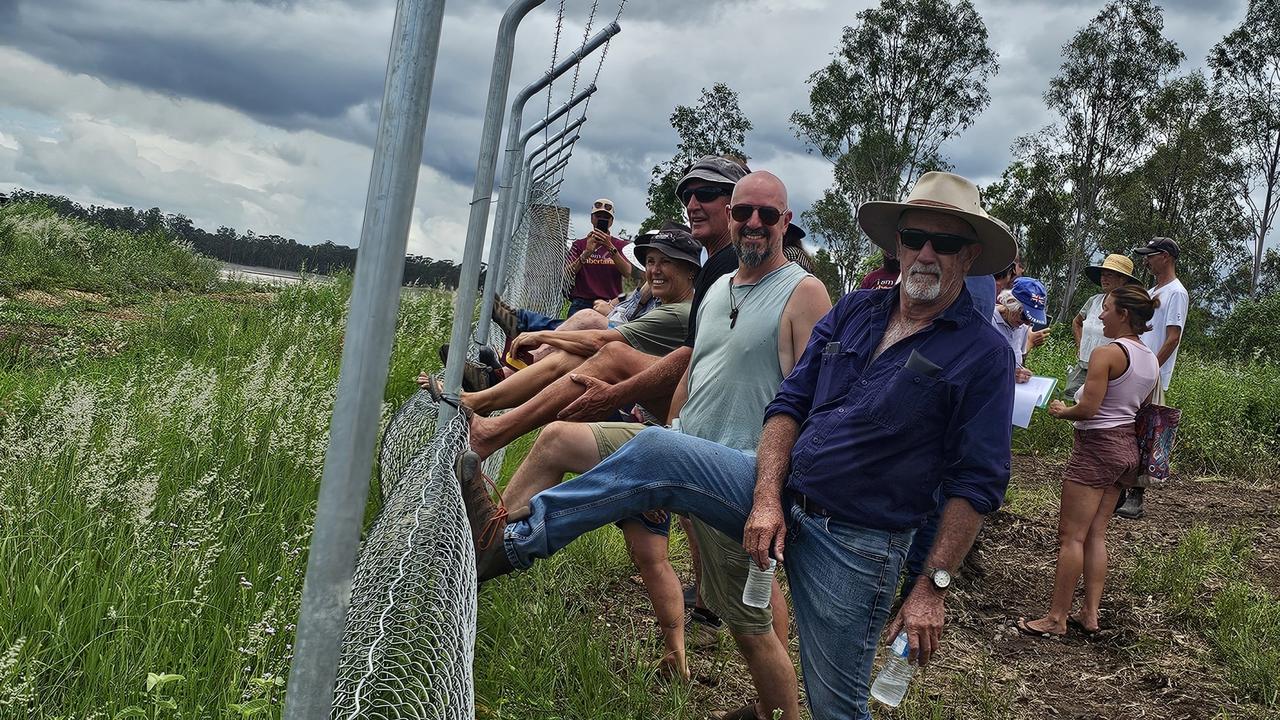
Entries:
{"x":734,"y":372}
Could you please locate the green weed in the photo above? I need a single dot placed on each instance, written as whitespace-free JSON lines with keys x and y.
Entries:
{"x":155,"y":504}
{"x":1199,"y":582}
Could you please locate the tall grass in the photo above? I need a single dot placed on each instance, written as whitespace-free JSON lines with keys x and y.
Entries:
{"x":40,"y":250}
{"x":1230,"y":413}
{"x":155,"y":506}
{"x":1199,"y":583}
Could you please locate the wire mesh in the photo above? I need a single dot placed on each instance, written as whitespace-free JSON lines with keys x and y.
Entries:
{"x":539,"y":249}
{"x":409,"y":641}
{"x":408,"y":648}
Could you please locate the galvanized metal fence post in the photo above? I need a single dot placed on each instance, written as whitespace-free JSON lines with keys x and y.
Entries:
{"x":481,"y":193}
{"x":510,"y":163}
{"x":509,"y":216}
{"x":366,"y":355}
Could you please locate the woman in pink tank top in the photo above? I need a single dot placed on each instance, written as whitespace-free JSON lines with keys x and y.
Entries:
{"x":1121,"y":376}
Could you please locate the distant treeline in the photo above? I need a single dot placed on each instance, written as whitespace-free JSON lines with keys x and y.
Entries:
{"x":269,"y":251}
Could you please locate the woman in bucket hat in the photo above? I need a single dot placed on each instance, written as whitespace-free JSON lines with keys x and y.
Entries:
{"x":1115,"y":270}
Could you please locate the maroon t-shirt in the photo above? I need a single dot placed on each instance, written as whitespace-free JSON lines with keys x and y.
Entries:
{"x":879,"y":279}
{"x":598,"y":278}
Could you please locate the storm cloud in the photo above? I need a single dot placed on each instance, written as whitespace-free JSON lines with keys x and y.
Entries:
{"x":261,"y":113}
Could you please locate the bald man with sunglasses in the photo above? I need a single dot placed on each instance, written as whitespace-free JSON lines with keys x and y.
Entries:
{"x":900,"y":396}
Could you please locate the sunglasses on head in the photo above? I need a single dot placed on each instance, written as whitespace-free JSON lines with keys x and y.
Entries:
{"x":768,"y":215}
{"x":943,"y":243}
{"x":604,"y":206}
{"x":704,"y":194}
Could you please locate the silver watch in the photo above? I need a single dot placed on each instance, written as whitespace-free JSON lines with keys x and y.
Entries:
{"x":940,"y":578}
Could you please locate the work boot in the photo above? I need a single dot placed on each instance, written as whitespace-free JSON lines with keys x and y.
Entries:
{"x":1132,"y":507}
{"x":505,"y":317}
{"x":488,"y":520}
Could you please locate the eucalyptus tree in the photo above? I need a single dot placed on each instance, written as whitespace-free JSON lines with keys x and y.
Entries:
{"x":716,"y":125}
{"x":1110,"y":68}
{"x":907,"y":77}
{"x":1246,"y":67}
{"x":1187,"y":188}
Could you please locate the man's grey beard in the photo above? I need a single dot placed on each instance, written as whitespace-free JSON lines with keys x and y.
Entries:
{"x":922,"y":287}
{"x":753,"y":258}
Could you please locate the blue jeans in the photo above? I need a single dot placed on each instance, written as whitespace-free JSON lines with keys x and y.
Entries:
{"x":530,"y":321}
{"x":842,"y":576}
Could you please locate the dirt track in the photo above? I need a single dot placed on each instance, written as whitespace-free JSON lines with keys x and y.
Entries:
{"x":1141,"y":666}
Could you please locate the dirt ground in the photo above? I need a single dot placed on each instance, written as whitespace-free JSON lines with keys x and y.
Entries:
{"x":1141,"y":666}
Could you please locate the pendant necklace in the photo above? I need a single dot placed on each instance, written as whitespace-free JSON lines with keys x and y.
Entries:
{"x":734,"y":304}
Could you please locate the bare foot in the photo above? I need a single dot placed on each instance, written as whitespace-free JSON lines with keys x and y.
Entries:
{"x":481,"y":443}
{"x":673,"y":665}
{"x":1089,"y":624}
{"x":1041,"y":626}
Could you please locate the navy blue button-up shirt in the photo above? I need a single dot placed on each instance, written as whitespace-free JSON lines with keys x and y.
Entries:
{"x":879,"y":440}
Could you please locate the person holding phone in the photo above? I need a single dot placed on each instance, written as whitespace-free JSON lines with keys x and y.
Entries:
{"x":596,"y":263}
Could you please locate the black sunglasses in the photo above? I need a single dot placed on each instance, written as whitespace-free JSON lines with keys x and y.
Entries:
{"x":742,"y":213}
{"x":704,"y":194}
{"x":943,"y":243}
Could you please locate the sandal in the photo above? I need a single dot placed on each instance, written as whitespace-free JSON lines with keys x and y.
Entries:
{"x":1029,"y":631}
{"x":506,"y":318}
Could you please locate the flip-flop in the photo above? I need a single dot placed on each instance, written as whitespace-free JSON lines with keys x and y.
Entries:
{"x":1073,"y":622}
{"x":1029,"y":631}
{"x":435,"y":388}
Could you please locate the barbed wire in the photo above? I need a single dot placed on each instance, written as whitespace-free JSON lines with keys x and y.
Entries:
{"x":555,"y":53}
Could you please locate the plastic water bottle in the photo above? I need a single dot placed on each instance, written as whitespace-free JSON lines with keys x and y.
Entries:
{"x":759,"y":587}
{"x":891,"y":684}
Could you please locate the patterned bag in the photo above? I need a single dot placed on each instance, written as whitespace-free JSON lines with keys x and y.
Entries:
{"x":1155,"y":426}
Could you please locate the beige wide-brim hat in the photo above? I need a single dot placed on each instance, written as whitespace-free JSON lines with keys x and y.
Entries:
{"x":949,"y":194}
{"x":1115,"y":263}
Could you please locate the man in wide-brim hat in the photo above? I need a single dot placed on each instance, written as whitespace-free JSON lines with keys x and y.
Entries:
{"x":902,"y":395}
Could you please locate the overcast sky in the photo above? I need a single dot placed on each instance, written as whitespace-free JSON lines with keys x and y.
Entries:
{"x":260,"y":114}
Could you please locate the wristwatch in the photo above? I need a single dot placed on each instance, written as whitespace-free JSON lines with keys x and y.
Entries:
{"x":940,"y":578}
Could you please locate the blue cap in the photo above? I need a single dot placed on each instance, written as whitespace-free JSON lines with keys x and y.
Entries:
{"x":1031,"y":293}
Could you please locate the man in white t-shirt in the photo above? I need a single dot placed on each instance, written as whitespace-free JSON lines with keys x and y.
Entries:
{"x":1161,"y":256}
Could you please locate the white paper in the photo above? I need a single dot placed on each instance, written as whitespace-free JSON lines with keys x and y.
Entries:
{"x":1030,"y":395}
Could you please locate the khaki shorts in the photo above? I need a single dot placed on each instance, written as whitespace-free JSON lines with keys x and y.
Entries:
{"x":724,"y":575}
{"x":609,"y":437}
{"x":612,"y":435}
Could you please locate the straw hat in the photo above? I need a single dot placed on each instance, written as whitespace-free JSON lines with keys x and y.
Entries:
{"x":1114,"y":263}
{"x":949,"y":194}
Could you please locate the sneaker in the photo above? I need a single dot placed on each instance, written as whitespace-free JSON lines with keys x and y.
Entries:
{"x":1132,"y":507}
{"x":703,"y":628}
